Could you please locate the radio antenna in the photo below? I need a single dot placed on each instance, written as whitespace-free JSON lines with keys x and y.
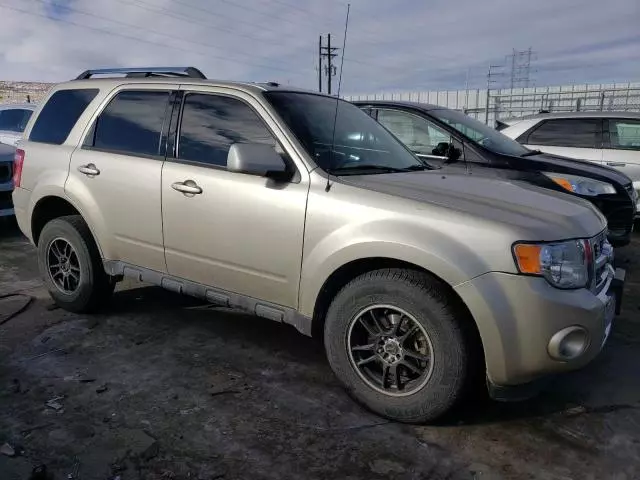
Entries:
{"x":335,"y":115}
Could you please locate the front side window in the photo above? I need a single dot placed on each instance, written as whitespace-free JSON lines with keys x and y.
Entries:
{"x":337,"y":135}
{"x":14,"y":119}
{"x":568,"y":132}
{"x":624,"y":134}
{"x":60,"y":114}
{"x":132,"y":123}
{"x":418,"y":134}
{"x":212,"y":123}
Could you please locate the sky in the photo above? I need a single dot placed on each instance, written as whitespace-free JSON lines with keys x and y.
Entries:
{"x":397,"y":45}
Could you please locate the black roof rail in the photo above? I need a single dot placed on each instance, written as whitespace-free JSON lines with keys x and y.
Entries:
{"x":138,"y":72}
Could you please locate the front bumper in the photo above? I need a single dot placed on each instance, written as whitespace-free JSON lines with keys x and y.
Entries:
{"x":6,"y":203}
{"x":518,"y":316}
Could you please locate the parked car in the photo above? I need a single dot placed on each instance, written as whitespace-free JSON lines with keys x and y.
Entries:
{"x":604,"y":138}
{"x":253,"y":196}
{"x":7,"y":153}
{"x":456,"y":142}
{"x":13,"y":120}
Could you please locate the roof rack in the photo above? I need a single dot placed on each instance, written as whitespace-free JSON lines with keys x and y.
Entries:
{"x":191,"y":72}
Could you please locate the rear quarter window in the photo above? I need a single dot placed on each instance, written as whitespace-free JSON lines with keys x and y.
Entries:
{"x":60,"y":114}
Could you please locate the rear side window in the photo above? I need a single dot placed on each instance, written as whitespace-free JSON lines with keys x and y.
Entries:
{"x":14,"y":119}
{"x":60,"y":114}
{"x":570,"y":132}
{"x":131,"y":124}
{"x":212,"y":123}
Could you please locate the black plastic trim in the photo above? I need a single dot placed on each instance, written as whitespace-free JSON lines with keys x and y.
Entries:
{"x":217,"y":296}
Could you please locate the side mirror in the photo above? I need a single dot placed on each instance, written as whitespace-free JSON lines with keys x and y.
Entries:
{"x":257,"y":159}
{"x":445,"y":149}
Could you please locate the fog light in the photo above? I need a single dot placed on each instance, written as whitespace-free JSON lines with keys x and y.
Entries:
{"x":569,"y":343}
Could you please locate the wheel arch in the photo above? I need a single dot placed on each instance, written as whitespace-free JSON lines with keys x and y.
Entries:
{"x":341,"y":276}
{"x":50,"y":207}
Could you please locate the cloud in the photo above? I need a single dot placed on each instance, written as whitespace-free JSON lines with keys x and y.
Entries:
{"x":399,"y":45}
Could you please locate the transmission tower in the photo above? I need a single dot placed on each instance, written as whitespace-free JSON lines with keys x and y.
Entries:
{"x":520,"y":64}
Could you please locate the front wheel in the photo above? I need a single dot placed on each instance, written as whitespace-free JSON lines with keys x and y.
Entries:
{"x":399,"y":344}
{"x":71,"y":265}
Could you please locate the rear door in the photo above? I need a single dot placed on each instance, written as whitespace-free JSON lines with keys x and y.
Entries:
{"x":117,"y":173}
{"x":579,"y":138}
{"x":622,"y":147}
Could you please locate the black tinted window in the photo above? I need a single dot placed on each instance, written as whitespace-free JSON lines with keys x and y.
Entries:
{"x":212,"y":123}
{"x":132,"y":123}
{"x":14,"y":119}
{"x":60,"y":114}
{"x":586,"y":133}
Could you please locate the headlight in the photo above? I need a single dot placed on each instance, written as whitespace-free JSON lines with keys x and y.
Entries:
{"x":581,"y":185}
{"x":562,"y":264}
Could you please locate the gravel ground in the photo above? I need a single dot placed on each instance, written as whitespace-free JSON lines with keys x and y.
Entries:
{"x":164,"y":387}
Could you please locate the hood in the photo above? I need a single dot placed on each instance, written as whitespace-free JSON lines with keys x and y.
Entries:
{"x":538,"y":213}
{"x":559,"y":164}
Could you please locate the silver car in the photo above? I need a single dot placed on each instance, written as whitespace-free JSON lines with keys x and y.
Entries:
{"x":607,"y":138}
{"x":13,"y":120}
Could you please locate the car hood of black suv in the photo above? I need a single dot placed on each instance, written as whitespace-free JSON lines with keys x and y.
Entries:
{"x":555,"y":163}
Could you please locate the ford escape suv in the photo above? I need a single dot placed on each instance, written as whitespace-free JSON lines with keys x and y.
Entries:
{"x":250,"y":196}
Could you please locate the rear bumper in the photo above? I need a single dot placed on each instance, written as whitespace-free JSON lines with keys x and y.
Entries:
{"x":520,"y":319}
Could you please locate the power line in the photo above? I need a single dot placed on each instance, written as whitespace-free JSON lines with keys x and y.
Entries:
{"x":137,"y":39}
{"x":155,"y":32}
{"x":186,"y":18}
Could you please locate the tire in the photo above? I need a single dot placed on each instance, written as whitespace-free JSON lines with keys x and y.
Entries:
{"x":420,"y":298}
{"x":94,"y":287}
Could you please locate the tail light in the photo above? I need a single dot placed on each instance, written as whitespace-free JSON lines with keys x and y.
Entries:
{"x":18,"y":161}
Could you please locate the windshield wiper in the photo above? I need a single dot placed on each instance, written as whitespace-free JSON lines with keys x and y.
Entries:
{"x":359,"y":169}
{"x":531,"y":153}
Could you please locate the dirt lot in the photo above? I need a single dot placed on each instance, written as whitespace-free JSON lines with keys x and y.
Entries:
{"x":163,"y":387}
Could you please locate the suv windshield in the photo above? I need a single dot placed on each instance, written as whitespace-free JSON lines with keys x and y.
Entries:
{"x":361,"y":143}
{"x":480,"y":133}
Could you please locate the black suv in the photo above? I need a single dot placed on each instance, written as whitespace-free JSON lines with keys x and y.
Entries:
{"x":453,"y":141}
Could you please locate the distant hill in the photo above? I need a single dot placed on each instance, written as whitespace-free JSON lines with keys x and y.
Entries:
{"x":22,"y":92}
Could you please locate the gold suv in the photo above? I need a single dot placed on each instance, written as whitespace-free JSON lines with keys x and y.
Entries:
{"x":300,"y":208}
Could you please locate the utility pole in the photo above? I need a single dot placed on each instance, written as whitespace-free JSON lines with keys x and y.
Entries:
{"x":327,"y":52}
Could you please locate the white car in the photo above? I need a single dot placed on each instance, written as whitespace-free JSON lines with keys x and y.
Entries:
{"x":607,"y":138}
{"x":13,"y":120}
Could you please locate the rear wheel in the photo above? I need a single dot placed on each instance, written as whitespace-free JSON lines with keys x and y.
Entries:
{"x":71,"y":265}
{"x":398,"y":342}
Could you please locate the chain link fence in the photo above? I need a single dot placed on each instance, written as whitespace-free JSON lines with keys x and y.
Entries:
{"x":499,"y":104}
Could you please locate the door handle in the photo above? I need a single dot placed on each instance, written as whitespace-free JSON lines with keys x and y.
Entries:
{"x":188,"y":187}
{"x":616,"y":164}
{"x":89,"y":169}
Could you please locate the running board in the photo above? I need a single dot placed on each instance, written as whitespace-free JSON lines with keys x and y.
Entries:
{"x":216,"y":296}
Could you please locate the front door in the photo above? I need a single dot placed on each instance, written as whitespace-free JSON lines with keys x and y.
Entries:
{"x":116,"y":173}
{"x":237,"y":232}
{"x":622,"y":150}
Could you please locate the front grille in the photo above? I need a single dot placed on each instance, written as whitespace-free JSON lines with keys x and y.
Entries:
{"x":5,"y":200}
{"x":5,"y":172}
{"x":602,"y":261}
{"x":629,"y":188}
{"x":620,"y":220}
